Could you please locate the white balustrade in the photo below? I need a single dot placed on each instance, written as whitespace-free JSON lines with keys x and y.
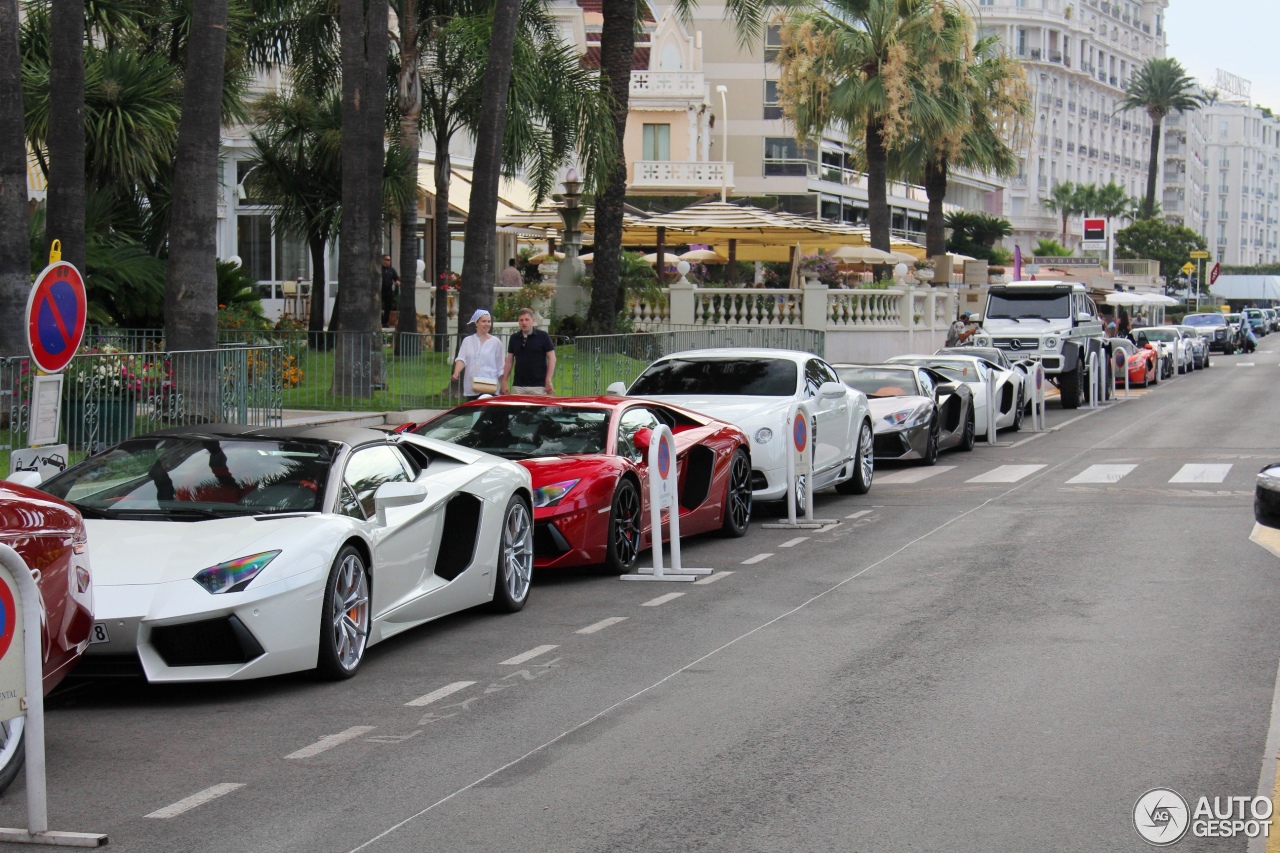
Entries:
{"x":747,"y":306}
{"x":650,"y":314}
{"x":668,"y":84}
{"x":872,"y":309}
{"x":675,"y":174}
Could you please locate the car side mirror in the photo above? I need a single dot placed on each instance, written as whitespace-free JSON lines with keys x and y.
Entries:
{"x":31,"y":479}
{"x":832,"y":391}
{"x":1085,"y":317}
{"x":976,"y":319}
{"x":397,"y":494}
{"x":642,"y":439}
{"x":943,"y":391}
{"x":616,"y":389}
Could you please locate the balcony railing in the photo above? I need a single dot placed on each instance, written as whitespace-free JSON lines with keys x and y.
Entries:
{"x":681,"y":174}
{"x":668,"y":84}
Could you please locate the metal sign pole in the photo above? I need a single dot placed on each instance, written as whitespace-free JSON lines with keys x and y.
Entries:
{"x":37,"y":810}
{"x":663,"y":493}
{"x":798,"y":435}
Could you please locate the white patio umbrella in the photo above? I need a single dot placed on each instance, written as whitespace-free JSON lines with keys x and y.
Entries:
{"x":1158,"y":299}
{"x":587,"y":258}
{"x":862,"y":254}
{"x":703,"y":256}
{"x":668,"y":258}
{"x":543,"y":257}
{"x":903,"y":258}
{"x":1121,"y":297}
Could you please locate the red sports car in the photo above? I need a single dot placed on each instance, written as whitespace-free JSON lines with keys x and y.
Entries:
{"x":1143,"y":363}
{"x":588,"y":458}
{"x":49,"y":535}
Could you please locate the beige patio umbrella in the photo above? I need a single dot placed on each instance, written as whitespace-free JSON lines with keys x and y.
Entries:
{"x":902,"y":257}
{"x":860,"y":255}
{"x":543,"y":257}
{"x":703,"y":256}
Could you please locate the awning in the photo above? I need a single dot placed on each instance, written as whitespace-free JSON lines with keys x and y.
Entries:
{"x":514,"y":196}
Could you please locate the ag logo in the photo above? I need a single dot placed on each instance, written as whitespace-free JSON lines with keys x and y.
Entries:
{"x":1161,"y":817}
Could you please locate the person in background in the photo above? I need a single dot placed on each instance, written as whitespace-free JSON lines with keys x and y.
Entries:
{"x":961,"y":330}
{"x":531,"y":359}
{"x":510,"y":277}
{"x":1112,"y":328}
{"x":390,"y":281}
{"x":479,"y":360}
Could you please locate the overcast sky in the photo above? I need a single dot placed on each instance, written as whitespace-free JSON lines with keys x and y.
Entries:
{"x":1238,"y":36}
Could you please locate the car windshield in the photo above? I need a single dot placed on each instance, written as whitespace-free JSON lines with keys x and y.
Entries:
{"x":1204,"y":320}
{"x":880,"y":381}
{"x":1044,"y":305}
{"x":739,"y":377}
{"x":1158,"y":334}
{"x":523,"y":432}
{"x":1233,"y":318}
{"x":189,"y":477}
{"x":1254,"y":314}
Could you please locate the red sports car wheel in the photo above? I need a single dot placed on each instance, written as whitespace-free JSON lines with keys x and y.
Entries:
{"x":624,"y":528}
{"x":737,"y":499}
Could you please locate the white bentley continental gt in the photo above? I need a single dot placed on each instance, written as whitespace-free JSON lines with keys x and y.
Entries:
{"x":231,"y":552}
{"x":754,"y":389}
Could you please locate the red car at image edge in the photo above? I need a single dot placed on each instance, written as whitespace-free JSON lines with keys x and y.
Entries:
{"x":588,"y":459}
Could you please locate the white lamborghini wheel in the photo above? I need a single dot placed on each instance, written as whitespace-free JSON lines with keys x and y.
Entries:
{"x":345,"y":616}
{"x":13,"y":750}
{"x":515,"y":561}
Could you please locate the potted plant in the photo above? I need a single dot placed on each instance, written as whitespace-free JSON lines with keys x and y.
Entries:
{"x":995,"y":275}
{"x":924,"y":271}
{"x":101,"y":392}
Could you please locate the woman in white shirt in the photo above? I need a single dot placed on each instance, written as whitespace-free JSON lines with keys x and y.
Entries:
{"x":480,"y":359}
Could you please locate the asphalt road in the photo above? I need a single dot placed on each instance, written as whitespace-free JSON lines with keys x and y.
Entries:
{"x":986,"y":659}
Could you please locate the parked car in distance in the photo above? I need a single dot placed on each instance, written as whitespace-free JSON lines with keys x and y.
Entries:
{"x":918,"y":411}
{"x":1199,"y":346}
{"x":1216,"y":331}
{"x":1258,"y":321}
{"x":588,"y":457}
{"x":1273,"y":316}
{"x":1010,"y":385}
{"x":1171,"y":343}
{"x":50,"y":537}
{"x":1143,"y":363}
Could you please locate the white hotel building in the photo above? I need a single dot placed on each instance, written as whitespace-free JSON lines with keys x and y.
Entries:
{"x":1078,"y":55}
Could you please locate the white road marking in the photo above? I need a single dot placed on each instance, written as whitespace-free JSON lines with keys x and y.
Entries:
{"x":434,"y":695}
{"x":1197,"y":473}
{"x":791,"y":543}
{"x":1031,"y":437}
{"x":663,"y":599}
{"x":751,"y":561}
{"x":330,"y":741}
{"x":1246,"y":364}
{"x":1006,"y":474}
{"x":859,"y":514}
{"x":912,"y":475}
{"x":601,"y":625}
{"x":529,"y":655}
{"x":199,"y":799}
{"x":711,"y":578}
{"x":1102,"y":474}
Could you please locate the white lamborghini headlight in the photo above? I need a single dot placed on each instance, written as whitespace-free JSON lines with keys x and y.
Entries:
{"x":764,"y":435}
{"x":234,"y":575}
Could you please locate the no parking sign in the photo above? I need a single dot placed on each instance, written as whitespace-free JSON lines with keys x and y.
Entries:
{"x":57,"y":310}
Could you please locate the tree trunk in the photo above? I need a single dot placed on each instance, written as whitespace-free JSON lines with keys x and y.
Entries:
{"x":319,"y":276}
{"x":1064,"y":228}
{"x":877,"y":186}
{"x":66,"y":207}
{"x":191,"y":280}
{"x":1149,"y":204}
{"x":444,"y":244}
{"x":15,"y":251}
{"x":617,"y":46}
{"x":364,"y":96}
{"x":409,"y":102}
{"x":478,"y":261}
{"x":935,"y":186}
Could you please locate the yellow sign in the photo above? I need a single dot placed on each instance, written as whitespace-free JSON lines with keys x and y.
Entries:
{"x":1188,"y":268}
{"x":1199,"y":256}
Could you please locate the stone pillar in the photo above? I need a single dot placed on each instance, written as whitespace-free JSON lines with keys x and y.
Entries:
{"x":814,"y":312}
{"x":681,"y":298}
{"x":570,"y":296}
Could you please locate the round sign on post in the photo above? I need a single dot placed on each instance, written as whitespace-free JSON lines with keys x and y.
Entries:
{"x":57,"y":310}
{"x":800,"y":432}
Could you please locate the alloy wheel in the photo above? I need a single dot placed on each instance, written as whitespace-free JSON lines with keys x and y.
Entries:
{"x":626,"y":529}
{"x":350,"y":616}
{"x":517,"y":541}
{"x":740,"y":492}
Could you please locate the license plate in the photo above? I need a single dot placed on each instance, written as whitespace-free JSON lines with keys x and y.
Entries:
{"x":99,"y":634}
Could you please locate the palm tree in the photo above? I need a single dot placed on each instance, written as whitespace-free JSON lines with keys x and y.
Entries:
{"x":617,"y":49}
{"x":1160,"y":87}
{"x":15,"y":257}
{"x":191,"y":286}
{"x":870,"y":67}
{"x":1063,"y":200}
{"x":364,"y":42}
{"x":1111,"y":202}
{"x":66,"y":197}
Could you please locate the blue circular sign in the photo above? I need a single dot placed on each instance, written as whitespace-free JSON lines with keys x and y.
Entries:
{"x":800,"y":432}
{"x":664,"y":458}
{"x":57,"y":310}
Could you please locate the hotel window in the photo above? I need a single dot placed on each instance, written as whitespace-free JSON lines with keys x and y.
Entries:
{"x":772,"y":109}
{"x":657,"y":142}
{"x":772,"y":42}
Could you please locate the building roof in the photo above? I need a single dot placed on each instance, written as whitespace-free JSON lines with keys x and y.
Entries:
{"x":639,"y":59}
{"x":1252,"y":287}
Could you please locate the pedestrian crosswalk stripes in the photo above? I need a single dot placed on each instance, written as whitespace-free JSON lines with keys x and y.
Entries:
{"x":1102,"y":474}
{"x":1006,"y":474}
{"x":1150,"y":472}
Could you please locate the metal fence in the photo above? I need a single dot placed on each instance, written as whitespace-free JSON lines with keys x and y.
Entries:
{"x":110,"y":396}
{"x":593,"y":363}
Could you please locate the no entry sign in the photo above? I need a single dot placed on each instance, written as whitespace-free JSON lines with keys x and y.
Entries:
{"x":56,"y":313}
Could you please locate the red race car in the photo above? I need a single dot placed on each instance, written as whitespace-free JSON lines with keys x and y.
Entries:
{"x":588,"y":459}
{"x":1143,"y":363}
{"x":49,"y":535}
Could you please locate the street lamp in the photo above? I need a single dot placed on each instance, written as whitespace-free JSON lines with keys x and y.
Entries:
{"x":724,"y":155}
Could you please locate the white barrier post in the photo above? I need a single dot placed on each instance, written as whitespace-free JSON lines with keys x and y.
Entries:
{"x":1036,"y":381}
{"x":1121,"y":362}
{"x":1093,"y":380}
{"x":664,"y":487}
{"x":30,"y":686}
{"x":991,"y":407}
{"x":800,"y":464}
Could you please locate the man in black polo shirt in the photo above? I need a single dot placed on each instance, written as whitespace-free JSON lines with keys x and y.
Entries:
{"x":531,"y":359}
{"x":390,"y":283}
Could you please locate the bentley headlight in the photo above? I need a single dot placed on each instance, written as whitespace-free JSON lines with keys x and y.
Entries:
{"x":553,"y":494}
{"x":763,"y":435}
{"x":234,"y":575}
